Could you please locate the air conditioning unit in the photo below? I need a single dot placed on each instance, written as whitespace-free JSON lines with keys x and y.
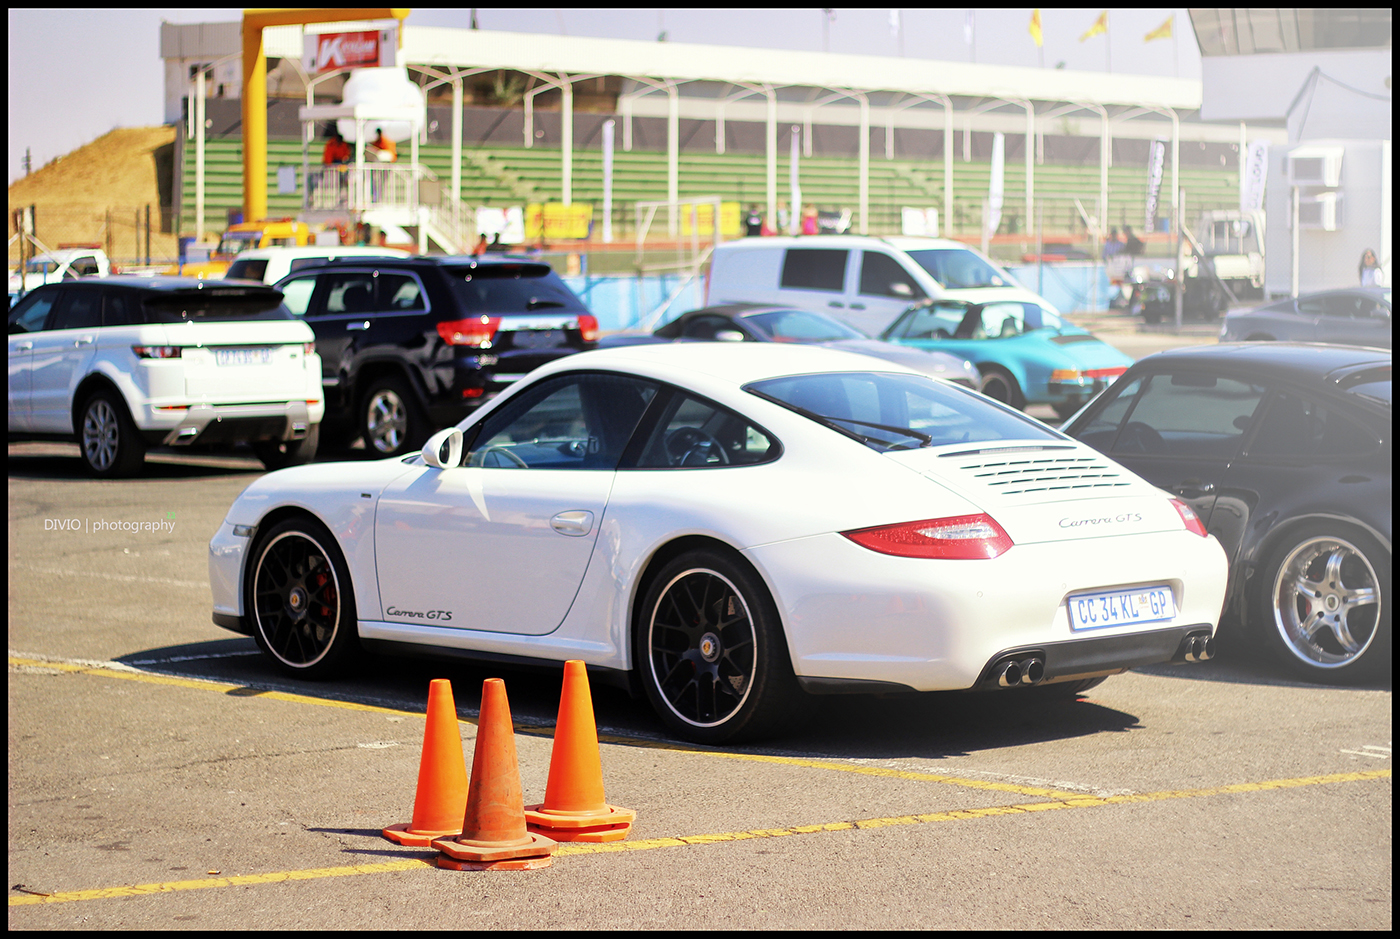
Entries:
{"x":1315,"y":166}
{"x":1322,"y":211}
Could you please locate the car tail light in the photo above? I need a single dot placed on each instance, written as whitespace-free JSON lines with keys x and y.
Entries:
{"x":1066,"y":374}
{"x":473,"y":392}
{"x":1189,"y":517}
{"x":1113,"y":372}
{"x":157,"y":352}
{"x":307,"y":348}
{"x":959,"y":537}
{"x":477,"y":331}
{"x":588,"y":327}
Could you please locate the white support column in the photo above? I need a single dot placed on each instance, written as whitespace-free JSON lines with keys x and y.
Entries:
{"x":456,"y":149}
{"x":566,"y":144}
{"x":625,"y":105}
{"x":864,"y":165}
{"x":673,"y":152}
{"x":946,"y":225}
{"x":1176,"y":161}
{"x":609,"y":128}
{"x":199,"y":155}
{"x":1030,"y":162}
{"x":771,"y":155}
{"x":719,"y":127}
{"x":529,"y":119}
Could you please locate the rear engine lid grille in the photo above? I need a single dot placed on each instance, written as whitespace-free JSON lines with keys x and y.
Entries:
{"x":1022,"y":473}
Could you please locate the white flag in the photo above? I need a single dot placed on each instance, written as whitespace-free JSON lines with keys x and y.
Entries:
{"x":894,"y":22}
{"x":967,"y":28}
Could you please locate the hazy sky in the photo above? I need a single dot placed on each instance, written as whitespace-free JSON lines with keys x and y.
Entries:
{"x":77,"y":73}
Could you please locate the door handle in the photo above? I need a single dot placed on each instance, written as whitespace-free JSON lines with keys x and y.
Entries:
{"x":24,"y":347}
{"x":835,"y":304}
{"x":857,"y":306}
{"x":575,"y":523}
{"x":82,"y":341}
{"x":363,"y":325}
{"x":1193,"y":488}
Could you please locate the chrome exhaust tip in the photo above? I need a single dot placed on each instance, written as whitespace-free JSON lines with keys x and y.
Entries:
{"x":1205,"y":649}
{"x":1189,"y":647}
{"x":1032,"y":671}
{"x":1009,"y":675}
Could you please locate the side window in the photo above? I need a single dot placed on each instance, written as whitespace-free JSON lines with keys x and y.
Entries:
{"x":815,"y":269}
{"x":349,"y":293}
{"x":79,"y":309}
{"x":29,"y":314}
{"x":1000,"y":321}
{"x":705,"y":327}
{"x":882,"y":276}
{"x":247,"y":269}
{"x":1191,"y":414}
{"x":574,"y":422}
{"x":1299,"y":427}
{"x":117,"y":309}
{"x":297,"y":264}
{"x":400,"y":292}
{"x":937,"y":321}
{"x":82,"y":267}
{"x":296,"y":294}
{"x":693,"y":432}
{"x":1312,"y":306}
{"x":1101,"y":430}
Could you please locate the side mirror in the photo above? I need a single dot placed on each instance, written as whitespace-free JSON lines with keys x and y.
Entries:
{"x":444,"y":449}
{"x":729,"y":335}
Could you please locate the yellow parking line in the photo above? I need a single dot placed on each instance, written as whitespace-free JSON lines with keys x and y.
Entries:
{"x":566,"y":850}
{"x":240,"y":690}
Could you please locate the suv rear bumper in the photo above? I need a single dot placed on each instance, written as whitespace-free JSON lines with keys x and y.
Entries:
{"x":233,"y":423}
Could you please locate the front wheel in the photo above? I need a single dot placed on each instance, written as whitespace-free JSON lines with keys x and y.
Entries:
{"x":711,"y":652}
{"x":1325,"y":603}
{"x":300,"y":600}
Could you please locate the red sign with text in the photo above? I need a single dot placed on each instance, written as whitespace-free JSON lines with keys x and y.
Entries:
{"x":347,"y":50}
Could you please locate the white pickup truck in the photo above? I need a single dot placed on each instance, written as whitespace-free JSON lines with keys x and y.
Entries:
{"x":65,"y":263}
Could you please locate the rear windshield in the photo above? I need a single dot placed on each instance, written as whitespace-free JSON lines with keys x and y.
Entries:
{"x":958,"y":268}
{"x":247,"y":269}
{"x":215,"y":306}
{"x":890,"y":411}
{"x":1373,"y":384}
{"x":511,"y":288}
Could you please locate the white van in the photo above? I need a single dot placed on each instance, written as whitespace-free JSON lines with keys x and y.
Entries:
{"x":270,"y":265}
{"x":863,"y":281}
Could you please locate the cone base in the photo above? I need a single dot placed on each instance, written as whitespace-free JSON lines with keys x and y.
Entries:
{"x":402,"y":834}
{"x":480,"y":854}
{"x":516,"y":864}
{"x":537,"y":816}
{"x":596,"y":835}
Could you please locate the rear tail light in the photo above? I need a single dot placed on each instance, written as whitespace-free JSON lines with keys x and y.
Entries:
{"x":1189,"y":517}
{"x":959,"y":537}
{"x":588,"y":327}
{"x":157,"y":352}
{"x":307,"y":348}
{"x":477,"y":331}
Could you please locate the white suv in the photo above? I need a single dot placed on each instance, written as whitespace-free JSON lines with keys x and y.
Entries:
{"x":124,"y":363}
{"x":863,"y":281}
{"x":270,"y":265}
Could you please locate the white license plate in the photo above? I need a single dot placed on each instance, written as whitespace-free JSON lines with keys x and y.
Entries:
{"x":242,"y":356}
{"x":1121,"y":607}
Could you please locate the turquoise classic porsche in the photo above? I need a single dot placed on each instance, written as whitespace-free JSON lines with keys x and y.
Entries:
{"x":1026,"y":353}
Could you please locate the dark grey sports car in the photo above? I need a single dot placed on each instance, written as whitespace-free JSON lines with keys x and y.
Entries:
{"x":1284,"y":450}
{"x":754,"y":322}
{"x":1355,"y":315}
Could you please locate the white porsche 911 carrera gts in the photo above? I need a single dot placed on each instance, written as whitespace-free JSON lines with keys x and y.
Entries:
{"x":728,"y":526}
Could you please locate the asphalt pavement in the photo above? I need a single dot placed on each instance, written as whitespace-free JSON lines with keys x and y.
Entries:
{"x":162,"y":775}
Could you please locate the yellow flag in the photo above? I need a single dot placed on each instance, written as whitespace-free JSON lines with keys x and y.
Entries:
{"x":1035,"y":28}
{"x":1161,"y":32}
{"x":1100,"y":26}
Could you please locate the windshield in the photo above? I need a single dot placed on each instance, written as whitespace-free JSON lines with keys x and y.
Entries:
{"x":957,"y":268}
{"x":216,"y":305}
{"x":512,"y":288}
{"x":40,"y":265}
{"x":236,"y":242}
{"x":1372,"y":384}
{"x":799,"y":326}
{"x":890,"y":411}
{"x":1232,"y":236}
{"x":954,"y":319}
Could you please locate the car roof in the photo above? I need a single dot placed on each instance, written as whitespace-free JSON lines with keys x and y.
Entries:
{"x":903,"y":243}
{"x":302,"y":251}
{"x":731,"y":363}
{"x":1300,"y":362}
{"x":163,"y":284}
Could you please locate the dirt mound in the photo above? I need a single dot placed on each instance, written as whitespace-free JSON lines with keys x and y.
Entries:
{"x":116,"y":176}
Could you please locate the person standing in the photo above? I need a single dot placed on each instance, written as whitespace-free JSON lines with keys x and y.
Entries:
{"x":1369,"y":270}
{"x":810,"y":225}
{"x":481,"y":246}
{"x":385,"y":150}
{"x":1132,"y":245}
{"x":1112,"y":247}
{"x":753,"y":222}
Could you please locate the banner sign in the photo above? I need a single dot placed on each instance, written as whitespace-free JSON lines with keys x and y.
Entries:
{"x":1156,"y":159}
{"x":1253,"y":174}
{"x":730,"y":225}
{"x":325,"y":52}
{"x":555,"y":221}
{"x":918,"y":222}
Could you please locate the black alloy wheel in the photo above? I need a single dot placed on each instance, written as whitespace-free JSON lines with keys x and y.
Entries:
{"x":711,"y":651}
{"x":1324,"y":603}
{"x":300,"y":600}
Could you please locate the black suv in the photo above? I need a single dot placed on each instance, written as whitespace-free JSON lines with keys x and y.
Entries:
{"x":411,"y":344}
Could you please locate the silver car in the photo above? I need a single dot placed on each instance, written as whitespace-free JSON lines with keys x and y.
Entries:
{"x":1357,"y":316}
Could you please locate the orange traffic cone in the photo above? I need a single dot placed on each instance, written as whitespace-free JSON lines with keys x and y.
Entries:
{"x":574,"y":808}
{"x":442,"y":775}
{"x":493,"y":836}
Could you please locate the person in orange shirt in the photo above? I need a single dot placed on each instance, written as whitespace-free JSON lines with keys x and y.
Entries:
{"x":337,"y":150}
{"x":387,"y":151}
